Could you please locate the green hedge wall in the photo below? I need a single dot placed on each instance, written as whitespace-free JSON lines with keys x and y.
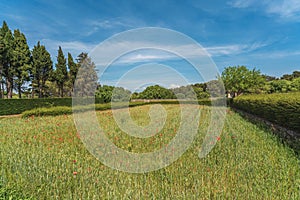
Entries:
{"x":17,"y":106}
{"x":280,"y":108}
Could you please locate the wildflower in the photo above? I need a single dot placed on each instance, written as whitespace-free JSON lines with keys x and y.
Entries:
{"x":75,"y":173}
{"x":218,"y":138}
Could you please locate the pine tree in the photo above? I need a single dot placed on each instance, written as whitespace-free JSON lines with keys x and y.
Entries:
{"x":61,"y":73}
{"x":21,"y":60}
{"x":41,"y":69}
{"x":6,"y":58}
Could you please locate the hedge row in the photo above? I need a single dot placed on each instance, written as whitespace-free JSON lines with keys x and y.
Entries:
{"x":61,"y":110}
{"x":65,"y":110}
{"x":281,"y":108}
{"x":17,"y":106}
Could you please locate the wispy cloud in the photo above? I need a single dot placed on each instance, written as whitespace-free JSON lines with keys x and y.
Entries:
{"x":144,"y":52}
{"x":285,"y":9}
{"x":72,"y":45}
{"x":112,"y":23}
{"x":234,"y":49}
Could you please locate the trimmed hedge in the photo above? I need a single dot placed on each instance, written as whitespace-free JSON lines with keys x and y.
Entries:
{"x":61,"y":110}
{"x":64,"y":110}
{"x":281,"y":108}
{"x":17,"y":106}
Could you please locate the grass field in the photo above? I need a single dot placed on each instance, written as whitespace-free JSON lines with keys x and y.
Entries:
{"x":43,"y":158}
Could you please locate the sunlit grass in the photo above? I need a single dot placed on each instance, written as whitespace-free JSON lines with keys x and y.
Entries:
{"x":44,"y":158}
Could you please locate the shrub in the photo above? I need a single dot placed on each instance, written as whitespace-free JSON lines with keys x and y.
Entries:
{"x":280,"y":108}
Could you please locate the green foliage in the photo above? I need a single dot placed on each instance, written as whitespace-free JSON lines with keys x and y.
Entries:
{"x":110,"y":93}
{"x":238,"y":80}
{"x":17,"y":106}
{"x":21,"y":60}
{"x":61,"y":73}
{"x":73,"y":69}
{"x":87,"y":79}
{"x":7,"y":58}
{"x":282,"y":108}
{"x":156,"y":92}
{"x":53,"y":111}
{"x":42,"y":69}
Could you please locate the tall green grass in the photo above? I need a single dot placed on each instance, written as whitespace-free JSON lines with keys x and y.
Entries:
{"x":43,"y":158}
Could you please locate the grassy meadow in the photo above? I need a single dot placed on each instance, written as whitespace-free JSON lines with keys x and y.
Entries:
{"x":44,"y":158}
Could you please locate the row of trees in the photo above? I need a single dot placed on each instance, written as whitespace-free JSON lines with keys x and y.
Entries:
{"x":239,"y":80}
{"x":31,"y":72}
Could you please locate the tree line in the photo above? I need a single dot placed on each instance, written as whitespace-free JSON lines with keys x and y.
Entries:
{"x":31,"y":72}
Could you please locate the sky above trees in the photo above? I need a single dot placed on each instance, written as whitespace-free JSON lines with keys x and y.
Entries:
{"x":261,"y":34}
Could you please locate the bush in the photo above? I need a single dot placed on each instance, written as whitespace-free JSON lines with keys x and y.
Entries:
{"x":280,"y":108}
{"x":59,"y":110}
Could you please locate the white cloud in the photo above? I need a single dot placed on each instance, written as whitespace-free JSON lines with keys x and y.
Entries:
{"x":285,"y":9}
{"x":74,"y":47}
{"x":167,"y":52}
{"x":113,"y":23}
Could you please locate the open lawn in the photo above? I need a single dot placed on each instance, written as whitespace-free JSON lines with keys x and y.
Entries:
{"x":44,"y":158}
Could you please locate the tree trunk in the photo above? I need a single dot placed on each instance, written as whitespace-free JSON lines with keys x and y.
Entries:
{"x":1,"y":93}
{"x":19,"y":91}
{"x":9,"y":84}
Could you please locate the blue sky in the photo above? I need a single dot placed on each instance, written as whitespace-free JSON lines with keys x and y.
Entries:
{"x":256,"y":33}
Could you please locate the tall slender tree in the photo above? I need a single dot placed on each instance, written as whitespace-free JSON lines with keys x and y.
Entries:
{"x":1,"y":64}
{"x":61,"y":73}
{"x":21,"y":60}
{"x":6,"y":58}
{"x":73,"y":69}
{"x":42,"y":68}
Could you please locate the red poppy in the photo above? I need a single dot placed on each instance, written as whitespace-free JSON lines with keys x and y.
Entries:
{"x":75,"y":173}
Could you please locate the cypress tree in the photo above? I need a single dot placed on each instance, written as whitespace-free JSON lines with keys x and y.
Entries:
{"x":21,"y":60}
{"x":61,"y":73}
{"x":42,"y":69}
{"x":6,"y":58}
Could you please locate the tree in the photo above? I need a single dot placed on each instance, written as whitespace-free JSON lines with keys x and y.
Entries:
{"x":87,"y":79}
{"x":61,"y":73}
{"x":238,"y":80}
{"x":281,"y":85}
{"x":41,"y":69}
{"x":73,"y":69}
{"x":1,"y":64}
{"x":156,"y":92}
{"x":21,"y":60}
{"x":296,"y":84}
{"x":110,"y":93}
{"x":6,"y":58}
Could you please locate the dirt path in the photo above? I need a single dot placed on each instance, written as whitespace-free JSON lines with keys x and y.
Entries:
{"x":8,"y":116}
